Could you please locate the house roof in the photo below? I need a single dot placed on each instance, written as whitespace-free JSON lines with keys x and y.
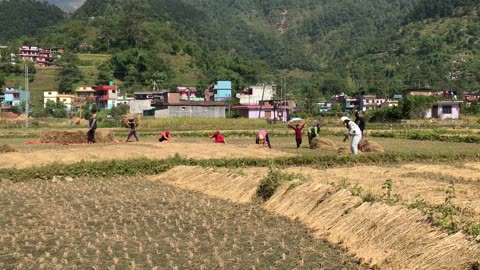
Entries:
{"x":448,"y":102}
{"x":258,"y":107}
{"x":197,"y":103}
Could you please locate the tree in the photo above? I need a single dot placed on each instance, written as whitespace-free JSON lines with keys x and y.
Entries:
{"x":69,"y":73}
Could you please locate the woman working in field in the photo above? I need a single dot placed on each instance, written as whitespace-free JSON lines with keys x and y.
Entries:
{"x":262,"y":138}
{"x":218,"y":137}
{"x":165,"y":136}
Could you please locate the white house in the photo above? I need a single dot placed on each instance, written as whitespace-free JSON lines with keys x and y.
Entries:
{"x":49,"y":96}
{"x":254,"y":94}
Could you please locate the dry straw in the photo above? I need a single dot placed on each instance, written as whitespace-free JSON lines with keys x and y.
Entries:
{"x":7,"y":149}
{"x":322,"y":144}
{"x":383,"y":236}
{"x":127,"y":117}
{"x":73,"y":137}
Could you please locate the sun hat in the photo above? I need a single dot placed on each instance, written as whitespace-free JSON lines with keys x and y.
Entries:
{"x":344,"y":118}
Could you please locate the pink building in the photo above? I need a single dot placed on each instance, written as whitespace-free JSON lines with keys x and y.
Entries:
{"x":444,"y":110}
{"x":263,"y":111}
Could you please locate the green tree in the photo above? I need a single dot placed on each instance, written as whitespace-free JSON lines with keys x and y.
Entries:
{"x":69,"y":73}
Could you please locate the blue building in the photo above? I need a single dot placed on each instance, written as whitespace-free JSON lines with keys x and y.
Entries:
{"x":13,"y":96}
{"x":222,"y":90}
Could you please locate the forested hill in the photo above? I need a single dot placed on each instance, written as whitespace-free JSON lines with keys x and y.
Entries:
{"x":26,"y":17}
{"x":379,"y":46}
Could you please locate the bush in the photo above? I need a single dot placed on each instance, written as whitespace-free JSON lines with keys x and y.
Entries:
{"x":389,"y":114}
{"x":271,"y":182}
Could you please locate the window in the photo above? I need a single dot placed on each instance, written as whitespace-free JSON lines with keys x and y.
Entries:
{"x":447,"y":109}
{"x":113,"y":91}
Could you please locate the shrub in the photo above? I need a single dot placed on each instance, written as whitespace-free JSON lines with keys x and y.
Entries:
{"x":271,"y":182}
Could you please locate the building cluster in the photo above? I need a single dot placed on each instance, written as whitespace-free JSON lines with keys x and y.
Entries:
{"x":41,"y":57}
{"x":256,"y":101}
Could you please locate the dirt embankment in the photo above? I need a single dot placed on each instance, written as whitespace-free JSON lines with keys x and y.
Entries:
{"x":383,"y":236}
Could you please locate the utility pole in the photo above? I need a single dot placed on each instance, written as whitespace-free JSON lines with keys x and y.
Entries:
{"x":27,"y":95}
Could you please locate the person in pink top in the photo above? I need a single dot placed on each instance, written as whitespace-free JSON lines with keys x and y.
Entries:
{"x":262,"y":138}
{"x":165,"y":136}
{"x":218,"y":137}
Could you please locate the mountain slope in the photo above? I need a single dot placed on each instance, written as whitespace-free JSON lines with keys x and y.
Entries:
{"x":26,"y":17}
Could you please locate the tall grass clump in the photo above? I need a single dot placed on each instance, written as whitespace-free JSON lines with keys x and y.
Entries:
{"x":269,"y":184}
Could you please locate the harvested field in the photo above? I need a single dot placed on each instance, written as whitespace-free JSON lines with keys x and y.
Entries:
{"x":95,"y":152}
{"x":75,"y":137}
{"x":132,"y":223}
{"x":388,"y":237}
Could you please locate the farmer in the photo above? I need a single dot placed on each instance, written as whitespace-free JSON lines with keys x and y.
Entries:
{"x":298,"y":133}
{"x":133,"y":129}
{"x":354,"y":131}
{"x":92,"y":126}
{"x":313,"y":132}
{"x":360,"y":121}
{"x":262,"y":138}
{"x":165,"y":136}
{"x":218,"y":137}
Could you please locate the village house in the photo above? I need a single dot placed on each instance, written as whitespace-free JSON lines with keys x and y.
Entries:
{"x":255,"y":94}
{"x":106,"y":96}
{"x":13,"y":96}
{"x":446,"y":108}
{"x":264,"y":111}
{"x":41,"y":57}
{"x":221,"y":91}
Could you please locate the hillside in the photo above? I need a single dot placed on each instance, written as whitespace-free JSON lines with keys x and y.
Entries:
{"x":26,"y":17}
{"x":321,"y":47}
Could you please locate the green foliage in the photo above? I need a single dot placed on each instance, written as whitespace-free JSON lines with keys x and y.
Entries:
{"x":388,"y":114}
{"x":14,"y":12}
{"x":388,"y":196}
{"x":69,"y":73}
{"x":414,"y":107}
{"x":269,"y":184}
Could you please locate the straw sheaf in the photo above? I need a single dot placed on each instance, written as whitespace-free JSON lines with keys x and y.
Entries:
{"x":322,"y":144}
{"x":392,"y":237}
{"x":297,"y":202}
{"x":126,"y":117}
{"x":369,"y":146}
{"x":216,"y":183}
{"x":73,"y":137}
{"x":7,"y":149}
{"x":294,"y":123}
{"x":328,"y":212}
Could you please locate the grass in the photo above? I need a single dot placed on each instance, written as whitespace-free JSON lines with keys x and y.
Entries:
{"x":132,"y":223}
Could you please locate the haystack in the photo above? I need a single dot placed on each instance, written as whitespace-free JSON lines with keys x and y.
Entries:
{"x":323,"y":144}
{"x":369,"y":146}
{"x":344,"y":150}
{"x":7,"y":149}
{"x":296,"y":121}
{"x":126,"y":117}
{"x":73,"y":137}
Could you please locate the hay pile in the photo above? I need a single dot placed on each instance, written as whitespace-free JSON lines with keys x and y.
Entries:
{"x":369,"y":146}
{"x":7,"y":149}
{"x":130,"y":116}
{"x":323,"y":144}
{"x":74,"y":137}
{"x":295,"y":121}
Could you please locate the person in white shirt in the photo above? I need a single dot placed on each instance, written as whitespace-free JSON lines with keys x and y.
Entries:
{"x":354,"y":131}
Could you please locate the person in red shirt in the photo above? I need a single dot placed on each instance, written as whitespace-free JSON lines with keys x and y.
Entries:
{"x":218,"y":137}
{"x":298,"y":134}
{"x":165,"y":136}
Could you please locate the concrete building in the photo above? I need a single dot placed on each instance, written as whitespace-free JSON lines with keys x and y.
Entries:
{"x":106,"y":96}
{"x":446,"y":109}
{"x":221,"y":91}
{"x":267,"y":111}
{"x":13,"y":96}
{"x":255,"y":94}
{"x":49,"y":96}
{"x":206,"y":109}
